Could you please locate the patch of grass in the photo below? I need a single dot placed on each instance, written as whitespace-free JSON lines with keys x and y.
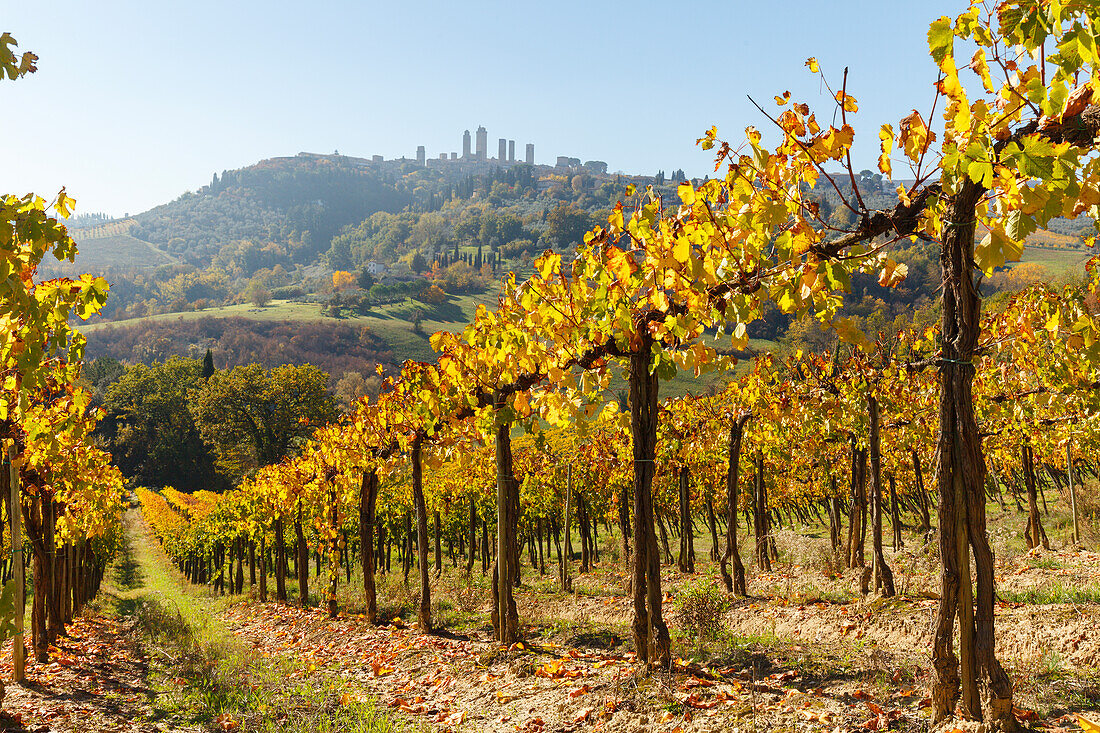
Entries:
{"x":203,"y":674}
{"x":392,"y":323}
{"x":811,"y":594}
{"x":1046,"y":563}
{"x":1052,"y":593}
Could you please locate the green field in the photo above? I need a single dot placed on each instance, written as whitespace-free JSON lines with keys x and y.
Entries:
{"x":1058,"y":261}
{"x":116,"y":250}
{"x":393,"y":324}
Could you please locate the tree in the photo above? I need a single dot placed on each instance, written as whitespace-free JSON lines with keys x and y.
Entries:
{"x":342,"y":280}
{"x":432,"y":295}
{"x":101,"y":373}
{"x":150,"y":431}
{"x":417,"y":264}
{"x":257,"y":294}
{"x":353,"y":386}
{"x":567,"y":225}
{"x":208,"y":365}
{"x":998,"y":159}
{"x":253,"y":417}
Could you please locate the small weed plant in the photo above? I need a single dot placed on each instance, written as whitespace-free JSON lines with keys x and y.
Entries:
{"x":700,"y":606}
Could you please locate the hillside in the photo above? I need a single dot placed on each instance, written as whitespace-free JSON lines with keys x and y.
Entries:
{"x":335,"y":348}
{"x":391,"y":326}
{"x":298,"y":203}
{"x":293,"y":207}
{"x":281,"y":229}
{"x":119,"y":251}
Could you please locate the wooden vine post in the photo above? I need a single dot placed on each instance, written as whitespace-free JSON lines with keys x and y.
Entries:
{"x":566,"y":581}
{"x":1072,"y":494}
{"x":19,"y":654}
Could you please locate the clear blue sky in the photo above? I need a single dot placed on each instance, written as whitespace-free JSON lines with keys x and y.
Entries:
{"x":136,"y":102}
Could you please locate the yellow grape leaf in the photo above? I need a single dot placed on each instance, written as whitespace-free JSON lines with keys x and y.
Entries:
{"x":1087,"y":725}
{"x":812,"y":63}
{"x":981,"y":68}
{"x":893,"y":273}
{"x":914,"y":136}
{"x":553,"y":668}
{"x":886,"y":136}
{"x":847,"y":101}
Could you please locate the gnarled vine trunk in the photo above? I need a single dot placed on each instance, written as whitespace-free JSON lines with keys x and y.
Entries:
{"x":736,"y":584}
{"x":424,"y":610}
{"x":760,"y":515}
{"x":334,"y":550}
{"x":857,"y":509}
{"x":505,"y":616}
{"x":280,"y":562}
{"x":884,"y":577}
{"x":368,"y":498}
{"x":301,"y":564}
{"x":961,"y":483}
{"x":1034,"y":534}
{"x":651,"y":638}
{"x":922,"y":495}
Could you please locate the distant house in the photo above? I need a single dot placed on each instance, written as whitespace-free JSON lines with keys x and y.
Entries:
{"x":376,"y":268}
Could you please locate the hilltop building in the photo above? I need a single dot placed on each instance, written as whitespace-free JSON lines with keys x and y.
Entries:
{"x":502,"y":150}
{"x":530,"y":154}
{"x":466,"y":145}
{"x":511,"y":151}
{"x":420,"y":155}
{"x":482,"y":149}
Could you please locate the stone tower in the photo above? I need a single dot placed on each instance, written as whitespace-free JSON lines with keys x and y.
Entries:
{"x":466,"y":145}
{"x":420,"y":155}
{"x":511,"y":151}
{"x":502,"y":150}
{"x":482,"y":150}
{"x":530,"y":153}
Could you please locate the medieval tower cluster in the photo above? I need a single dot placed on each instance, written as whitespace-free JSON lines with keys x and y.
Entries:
{"x":476,"y":149}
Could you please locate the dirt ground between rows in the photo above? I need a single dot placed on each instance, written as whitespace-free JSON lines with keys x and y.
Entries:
{"x":95,"y":681}
{"x":804,"y":652}
{"x":780,"y":664}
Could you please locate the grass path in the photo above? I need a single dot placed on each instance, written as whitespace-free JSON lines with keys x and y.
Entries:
{"x":97,"y":677}
{"x":201,"y":675}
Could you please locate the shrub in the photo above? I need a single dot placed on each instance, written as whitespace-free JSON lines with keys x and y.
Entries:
{"x":700,"y":605}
